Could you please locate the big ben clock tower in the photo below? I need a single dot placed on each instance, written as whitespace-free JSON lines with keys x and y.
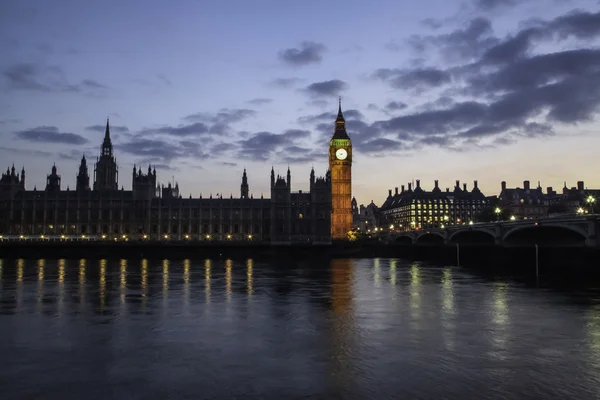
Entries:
{"x":340,"y":165}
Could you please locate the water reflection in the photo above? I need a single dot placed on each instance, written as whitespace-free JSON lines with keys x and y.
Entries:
{"x":102,"y":291}
{"x":61,"y":285}
{"x":207,"y":283}
{"x":228,"y":265}
{"x":186,"y":282}
{"x":122,"y":284}
{"x":20,"y":267}
{"x":82,"y":272}
{"x":144,"y":283}
{"x":448,"y":324}
{"x":343,"y":324}
{"x":322,"y":330}
{"x":249,"y":272}
{"x":501,"y":321}
{"x":377,"y":272}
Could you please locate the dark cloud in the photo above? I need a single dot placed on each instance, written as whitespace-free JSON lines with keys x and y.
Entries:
{"x":506,"y":88}
{"x":203,"y":124}
{"x":50,"y":79}
{"x":24,"y":152}
{"x":416,"y":79}
{"x":260,"y":101}
{"x":326,"y":88}
{"x":102,"y":128}
{"x":489,"y":5}
{"x":307,"y":53}
{"x":161,"y":151}
{"x":50,"y":134}
{"x":395,"y":106}
{"x":432,"y":23}
{"x":228,"y":164}
{"x":465,"y":43}
{"x":286,"y":83}
{"x":194,"y":129}
{"x":224,"y":116}
{"x":261,"y":146}
{"x":163,"y":78}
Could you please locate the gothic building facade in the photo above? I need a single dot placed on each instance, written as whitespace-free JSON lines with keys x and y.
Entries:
{"x":149,"y":211}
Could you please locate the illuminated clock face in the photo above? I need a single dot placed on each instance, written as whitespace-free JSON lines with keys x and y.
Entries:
{"x":341,"y":154}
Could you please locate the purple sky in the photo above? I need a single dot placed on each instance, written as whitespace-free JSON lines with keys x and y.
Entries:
{"x":484,"y":90}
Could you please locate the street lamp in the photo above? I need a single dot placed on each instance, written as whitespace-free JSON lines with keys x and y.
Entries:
{"x":580,"y":211}
{"x":591,"y":200}
{"x":512,"y":218}
{"x":497,"y":211}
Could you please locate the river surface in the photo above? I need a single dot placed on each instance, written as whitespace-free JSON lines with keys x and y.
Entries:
{"x":346,"y":329}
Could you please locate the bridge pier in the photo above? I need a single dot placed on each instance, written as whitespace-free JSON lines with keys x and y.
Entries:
{"x":592,"y":239}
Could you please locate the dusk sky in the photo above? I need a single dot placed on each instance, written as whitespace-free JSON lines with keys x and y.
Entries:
{"x":485,"y":90}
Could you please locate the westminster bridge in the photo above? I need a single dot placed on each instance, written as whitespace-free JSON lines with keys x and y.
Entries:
{"x":574,"y":230}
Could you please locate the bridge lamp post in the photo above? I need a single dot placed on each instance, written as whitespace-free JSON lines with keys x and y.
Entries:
{"x":580,"y":211}
{"x":591,"y":200}
{"x":498,"y":211}
{"x":513,"y":218}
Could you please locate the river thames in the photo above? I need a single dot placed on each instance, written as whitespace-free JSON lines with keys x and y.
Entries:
{"x":345,"y":329}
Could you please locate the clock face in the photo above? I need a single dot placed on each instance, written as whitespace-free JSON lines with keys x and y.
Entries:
{"x":341,"y":154}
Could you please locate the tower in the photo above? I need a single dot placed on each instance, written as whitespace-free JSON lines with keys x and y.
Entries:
{"x":340,"y":166}
{"x":106,"y":175}
{"x":244,"y":187}
{"x":83,"y":179}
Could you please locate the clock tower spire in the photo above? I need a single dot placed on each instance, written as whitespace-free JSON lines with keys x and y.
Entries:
{"x":340,"y":165}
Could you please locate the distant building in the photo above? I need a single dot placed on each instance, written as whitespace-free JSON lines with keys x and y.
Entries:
{"x":153,"y":211}
{"x":577,"y":197}
{"x":416,"y":209}
{"x":365,"y":217}
{"x":526,"y":202}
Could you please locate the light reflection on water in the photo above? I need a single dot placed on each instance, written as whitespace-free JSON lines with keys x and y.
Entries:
{"x":341,"y":329}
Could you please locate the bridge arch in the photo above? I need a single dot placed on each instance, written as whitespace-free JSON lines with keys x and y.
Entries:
{"x":483,"y":236}
{"x":546,"y":234}
{"x":430,"y":237}
{"x":403,"y":239}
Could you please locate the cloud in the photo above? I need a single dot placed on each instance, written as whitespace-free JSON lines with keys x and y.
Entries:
{"x":228,"y":164}
{"x":102,"y":128}
{"x":25,"y":152}
{"x":163,"y":78}
{"x":260,"y":101}
{"x":395,"y":106}
{"x":203,"y":124}
{"x":285,"y":83}
{"x":416,"y":79}
{"x":307,"y":53}
{"x":505,"y":89}
{"x":194,"y":129}
{"x":326,"y":88}
{"x":464,"y":43}
{"x":50,"y":79}
{"x":261,"y":146}
{"x":489,"y":5}
{"x":50,"y":134}
{"x":161,"y":151}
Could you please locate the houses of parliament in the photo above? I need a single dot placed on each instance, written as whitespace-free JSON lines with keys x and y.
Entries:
{"x":100,"y":210}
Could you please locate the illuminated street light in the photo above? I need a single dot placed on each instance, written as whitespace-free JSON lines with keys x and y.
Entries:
{"x":580,"y":210}
{"x":249,"y":236}
{"x":512,"y":218}
{"x":442,"y":226}
{"x":591,"y":200}
{"x":470,"y":222}
{"x":207,"y":237}
{"x":498,"y":211}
